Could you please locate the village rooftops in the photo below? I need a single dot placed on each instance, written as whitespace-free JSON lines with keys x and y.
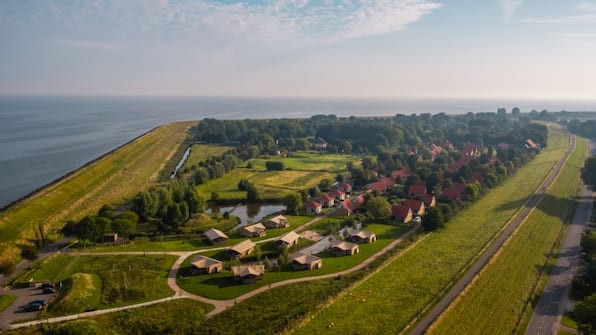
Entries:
{"x":363,"y":236}
{"x":302,"y":261}
{"x":204,"y":264}
{"x":248,"y":273}
{"x":215,"y":235}
{"x":289,"y":238}
{"x":255,"y":230}
{"x":279,"y":221}
{"x":243,"y":248}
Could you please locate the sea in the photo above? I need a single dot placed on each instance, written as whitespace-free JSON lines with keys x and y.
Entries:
{"x":44,"y":138}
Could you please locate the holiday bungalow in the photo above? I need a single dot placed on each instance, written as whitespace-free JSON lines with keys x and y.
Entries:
{"x":205,"y":265}
{"x":215,"y":236}
{"x":248,"y":274}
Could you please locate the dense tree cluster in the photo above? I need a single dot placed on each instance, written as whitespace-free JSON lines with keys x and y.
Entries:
{"x":214,"y":167}
{"x":584,"y":287}
{"x":586,"y":129}
{"x":589,"y":172}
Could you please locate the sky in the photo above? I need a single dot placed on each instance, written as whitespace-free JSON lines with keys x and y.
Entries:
{"x":538,"y":49}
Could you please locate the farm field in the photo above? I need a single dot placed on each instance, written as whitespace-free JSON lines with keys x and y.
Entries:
{"x":111,"y":179}
{"x":98,"y":282}
{"x":163,"y":318}
{"x":303,"y":170}
{"x":201,"y":243}
{"x":499,"y":298}
{"x":222,"y":285}
{"x":424,"y":271}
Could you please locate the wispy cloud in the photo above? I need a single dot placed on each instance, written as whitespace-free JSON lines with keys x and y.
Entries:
{"x":509,"y":7}
{"x":587,"y":6}
{"x":583,"y":18}
{"x":103,"y":46}
{"x":579,"y":40}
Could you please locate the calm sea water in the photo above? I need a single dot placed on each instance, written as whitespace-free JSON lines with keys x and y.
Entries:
{"x":43,"y":138}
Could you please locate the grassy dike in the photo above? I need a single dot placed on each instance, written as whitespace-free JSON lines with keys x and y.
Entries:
{"x":498,"y":300}
{"x":394,"y":296}
{"x":109,"y":179}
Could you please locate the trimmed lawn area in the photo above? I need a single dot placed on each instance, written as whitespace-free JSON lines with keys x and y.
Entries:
{"x":111,"y":179}
{"x":6,"y":300}
{"x":425,"y":271}
{"x":312,"y":161}
{"x":115,"y":280}
{"x":200,"y":243}
{"x":498,"y":300}
{"x":223,"y":286}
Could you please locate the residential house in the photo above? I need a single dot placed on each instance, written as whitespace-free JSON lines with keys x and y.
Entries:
{"x":453,"y":192}
{"x":242,"y":249}
{"x":346,"y":208}
{"x":205,"y":265}
{"x":325,"y":200}
{"x":313,"y":207}
{"x":382,"y":185}
{"x":429,"y":200}
{"x":416,"y":189}
{"x":248,"y":274}
{"x":215,"y":236}
{"x":402,"y":213}
{"x":302,"y":261}
{"x":435,"y":150}
{"x":416,"y":206}
{"x":470,"y":149}
{"x":255,"y":230}
{"x":344,"y":187}
{"x":531,"y":145}
{"x":288,"y":239}
{"x":343,"y":248}
{"x":401,"y":174}
{"x":337,"y":195}
{"x":279,"y":221}
{"x":363,"y":237}
{"x":110,"y":238}
{"x":318,"y":143}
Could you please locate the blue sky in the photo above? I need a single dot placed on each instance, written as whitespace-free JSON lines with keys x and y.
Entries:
{"x":360,"y":48}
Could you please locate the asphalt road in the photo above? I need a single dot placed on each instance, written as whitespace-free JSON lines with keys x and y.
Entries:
{"x":440,"y":307}
{"x":554,"y":300}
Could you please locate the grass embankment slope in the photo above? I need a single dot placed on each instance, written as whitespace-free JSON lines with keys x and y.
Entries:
{"x":391,"y":298}
{"x":497,"y":301}
{"x":117,"y":176}
{"x":303,"y":170}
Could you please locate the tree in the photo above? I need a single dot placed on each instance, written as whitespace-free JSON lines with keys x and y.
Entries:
{"x":589,"y":172}
{"x":378,"y":207}
{"x":252,"y":193}
{"x":29,"y":251}
{"x":293,"y":202}
{"x":275,"y":166}
{"x":585,"y":315}
{"x":433,"y":219}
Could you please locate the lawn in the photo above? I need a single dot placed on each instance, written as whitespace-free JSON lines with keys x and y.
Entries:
{"x":111,"y":179}
{"x":425,"y":271}
{"x":499,"y":298}
{"x":201,"y":243}
{"x":6,"y":300}
{"x":303,"y":170}
{"x":222,"y":286}
{"x":98,"y":282}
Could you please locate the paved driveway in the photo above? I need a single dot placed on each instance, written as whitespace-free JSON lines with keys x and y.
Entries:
{"x":24,"y":296}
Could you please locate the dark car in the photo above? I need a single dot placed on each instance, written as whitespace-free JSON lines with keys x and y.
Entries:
{"x":48,"y":290}
{"x":47,"y":285}
{"x":38,"y":302}
{"x":32,"y":307}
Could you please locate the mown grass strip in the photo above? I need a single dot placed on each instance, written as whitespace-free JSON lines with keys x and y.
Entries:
{"x":111,"y":179}
{"x":6,"y":300}
{"x":495,"y":302}
{"x":387,"y":301}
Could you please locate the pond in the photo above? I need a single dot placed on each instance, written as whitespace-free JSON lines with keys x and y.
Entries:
{"x":249,"y":213}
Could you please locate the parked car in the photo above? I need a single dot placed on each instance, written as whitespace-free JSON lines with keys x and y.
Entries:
{"x":47,"y":285}
{"x":39,"y":302}
{"x":48,"y":290}
{"x":32,"y":307}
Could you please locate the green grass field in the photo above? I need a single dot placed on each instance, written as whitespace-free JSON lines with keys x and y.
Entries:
{"x":181,"y":316}
{"x":111,"y":179}
{"x":6,"y":300}
{"x":223,"y":286}
{"x":498,"y":299}
{"x":98,"y":282}
{"x":304,"y":170}
{"x":424,"y":271}
{"x":201,"y":152}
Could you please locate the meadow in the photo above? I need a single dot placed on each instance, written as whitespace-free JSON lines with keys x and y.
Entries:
{"x":110,"y":179}
{"x":99,"y":282}
{"x":424,"y":272}
{"x":222,"y":285}
{"x":303,"y":170}
{"x":500,"y":297}
{"x":181,"y":316}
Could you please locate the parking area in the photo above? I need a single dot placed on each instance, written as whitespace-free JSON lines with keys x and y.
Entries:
{"x":15,"y":311}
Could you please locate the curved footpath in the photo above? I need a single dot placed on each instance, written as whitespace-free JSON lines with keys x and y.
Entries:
{"x":514,"y":223}
{"x":220,"y":305}
{"x":554,"y":300}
